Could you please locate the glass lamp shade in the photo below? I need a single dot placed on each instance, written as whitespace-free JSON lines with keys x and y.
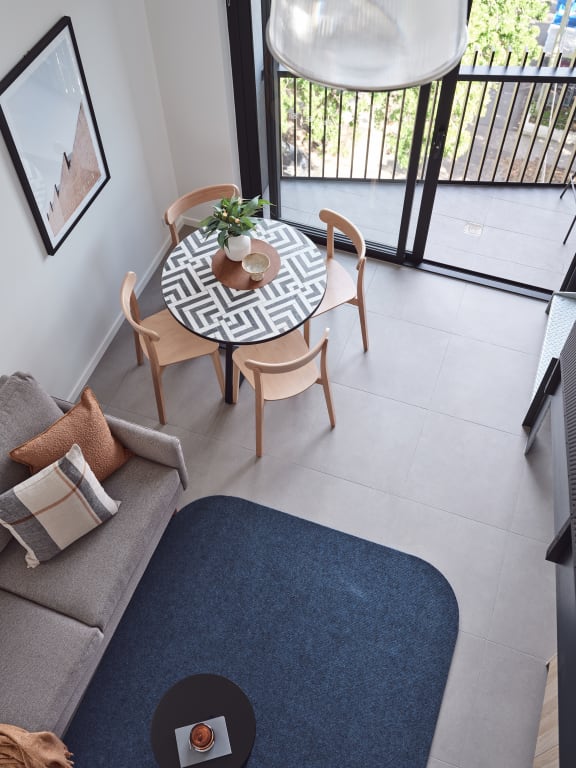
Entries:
{"x":368,"y":45}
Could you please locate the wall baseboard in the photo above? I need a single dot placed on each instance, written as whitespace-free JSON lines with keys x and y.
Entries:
{"x":190,"y":222}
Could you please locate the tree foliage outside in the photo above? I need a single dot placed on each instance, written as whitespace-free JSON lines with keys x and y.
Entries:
{"x":499,"y":32}
{"x":332,"y":133}
{"x":505,"y":27}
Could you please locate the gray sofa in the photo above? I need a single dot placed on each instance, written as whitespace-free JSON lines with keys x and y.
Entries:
{"x":57,"y":619}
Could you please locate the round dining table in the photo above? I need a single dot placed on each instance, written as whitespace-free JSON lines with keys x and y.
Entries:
{"x":198,"y":285}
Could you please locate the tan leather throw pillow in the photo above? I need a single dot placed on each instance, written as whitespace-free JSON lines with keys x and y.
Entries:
{"x":85,"y":425}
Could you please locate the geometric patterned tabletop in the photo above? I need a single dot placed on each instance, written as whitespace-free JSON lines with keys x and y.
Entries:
{"x":197,"y":299}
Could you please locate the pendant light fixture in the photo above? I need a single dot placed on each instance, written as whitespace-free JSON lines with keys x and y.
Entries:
{"x":368,"y":45}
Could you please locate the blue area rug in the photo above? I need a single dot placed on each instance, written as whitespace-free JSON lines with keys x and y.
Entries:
{"x":342,"y":646}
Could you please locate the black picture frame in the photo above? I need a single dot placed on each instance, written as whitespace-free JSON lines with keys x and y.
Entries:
{"x":48,"y":123}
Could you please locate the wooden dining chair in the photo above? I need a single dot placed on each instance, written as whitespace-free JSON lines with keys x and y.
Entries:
{"x":191,"y":200}
{"x":280,"y":369}
{"x":164,"y":341}
{"x":340,"y":287}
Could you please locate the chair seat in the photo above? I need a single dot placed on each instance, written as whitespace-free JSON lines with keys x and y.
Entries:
{"x":340,"y":287}
{"x":281,"y":350}
{"x":163,"y":341}
{"x":176,"y":342}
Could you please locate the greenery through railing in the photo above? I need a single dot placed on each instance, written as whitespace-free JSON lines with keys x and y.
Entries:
{"x":501,"y":130}
{"x":513,"y":117}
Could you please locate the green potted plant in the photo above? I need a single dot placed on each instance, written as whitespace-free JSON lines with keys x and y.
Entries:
{"x":233,"y":220}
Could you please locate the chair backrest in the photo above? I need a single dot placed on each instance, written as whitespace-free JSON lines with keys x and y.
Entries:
{"x":334,"y":221}
{"x":129,"y":304}
{"x":194,"y":198}
{"x":287,"y":366}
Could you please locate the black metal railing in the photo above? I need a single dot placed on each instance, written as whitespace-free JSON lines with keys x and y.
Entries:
{"x":510,"y":124}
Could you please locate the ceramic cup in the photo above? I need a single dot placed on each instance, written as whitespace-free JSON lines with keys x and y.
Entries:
{"x":255,"y":264}
{"x":201,"y":737}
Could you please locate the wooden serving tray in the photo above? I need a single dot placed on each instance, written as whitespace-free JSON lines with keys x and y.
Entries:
{"x":231,"y":274}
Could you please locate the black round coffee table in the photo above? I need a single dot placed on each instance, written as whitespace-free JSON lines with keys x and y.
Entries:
{"x":202,"y":698}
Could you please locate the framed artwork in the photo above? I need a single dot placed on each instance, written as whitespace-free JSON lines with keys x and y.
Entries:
{"x":48,"y":123}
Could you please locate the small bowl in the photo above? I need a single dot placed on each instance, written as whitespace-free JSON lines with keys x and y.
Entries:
{"x":255,"y":264}
{"x":201,"y":737}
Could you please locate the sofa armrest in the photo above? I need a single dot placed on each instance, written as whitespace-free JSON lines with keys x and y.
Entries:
{"x":145,"y":442}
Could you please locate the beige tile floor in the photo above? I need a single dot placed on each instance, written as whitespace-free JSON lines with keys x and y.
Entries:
{"x":427,"y":456}
{"x":504,"y":231}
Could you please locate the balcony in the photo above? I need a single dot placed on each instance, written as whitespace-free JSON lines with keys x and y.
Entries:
{"x":514,"y":233}
{"x":509,"y":150}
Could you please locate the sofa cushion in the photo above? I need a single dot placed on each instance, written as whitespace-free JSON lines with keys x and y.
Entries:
{"x":84,"y":424}
{"x":25,"y":409}
{"x":43,"y":662}
{"x":50,"y":510}
{"x":88,"y":579}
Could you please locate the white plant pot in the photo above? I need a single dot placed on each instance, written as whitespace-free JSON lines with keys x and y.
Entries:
{"x":238,"y":247}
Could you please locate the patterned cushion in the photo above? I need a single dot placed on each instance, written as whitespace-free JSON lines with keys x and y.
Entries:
{"x":84,"y":424}
{"x":56,"y":506}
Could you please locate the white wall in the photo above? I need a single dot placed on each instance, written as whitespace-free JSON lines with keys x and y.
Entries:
{"x":192,"y":54}
{"x":59,"y":312}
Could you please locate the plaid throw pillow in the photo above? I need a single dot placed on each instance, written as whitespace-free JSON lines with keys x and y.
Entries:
{"x":55,"y":507}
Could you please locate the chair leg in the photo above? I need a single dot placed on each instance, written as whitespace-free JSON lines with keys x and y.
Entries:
{"x":569,"y":183}
{"x":325,"y":381}
{"x":259,"y":424}
{"x":218,"y":368}
{"x":157,"y":381}
{"x":235,"y":383}
{"x":363,"y":323}
{"x":329,"y":404}
{"x":139,"y":353}
{"x":570,"y":230}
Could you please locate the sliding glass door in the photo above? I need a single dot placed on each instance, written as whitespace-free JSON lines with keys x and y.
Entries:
{"x":309,"y":147}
